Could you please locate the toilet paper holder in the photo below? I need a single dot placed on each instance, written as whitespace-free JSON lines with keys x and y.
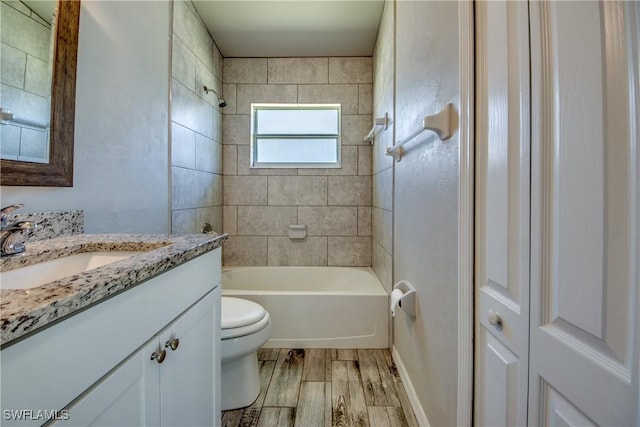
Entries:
{"x":408,"y":300}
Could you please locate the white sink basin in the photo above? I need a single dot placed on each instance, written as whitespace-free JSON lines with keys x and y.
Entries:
{"x":38,"y":274}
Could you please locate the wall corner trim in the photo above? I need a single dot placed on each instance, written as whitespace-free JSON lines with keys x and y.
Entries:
{"x":466,"y":214}
{"x":418,"y":411}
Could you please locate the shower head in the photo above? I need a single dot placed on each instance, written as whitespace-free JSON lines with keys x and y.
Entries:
{"x":221,"y":102}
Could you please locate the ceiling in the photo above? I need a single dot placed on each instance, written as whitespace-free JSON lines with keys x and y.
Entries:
{"x":292,"y":28}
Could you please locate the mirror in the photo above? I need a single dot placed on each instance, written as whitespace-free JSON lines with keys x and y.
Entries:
{"x":57,"y":170}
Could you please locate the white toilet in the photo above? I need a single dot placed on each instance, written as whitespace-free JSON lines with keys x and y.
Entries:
{"x":246,"y":326}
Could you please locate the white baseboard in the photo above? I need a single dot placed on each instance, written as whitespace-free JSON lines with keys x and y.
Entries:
{"x":421,"y":417}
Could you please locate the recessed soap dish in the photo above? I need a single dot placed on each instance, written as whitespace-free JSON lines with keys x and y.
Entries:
{"x":297,"y":231}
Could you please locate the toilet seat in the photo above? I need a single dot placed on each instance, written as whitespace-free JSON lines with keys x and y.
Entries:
{"x":241,"y":317}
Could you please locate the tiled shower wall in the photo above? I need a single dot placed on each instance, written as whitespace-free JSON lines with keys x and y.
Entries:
{"x":25,"y":82}
{"x":196,"y":132}
{"x":383,"y":101}
{"x":334,"y":204}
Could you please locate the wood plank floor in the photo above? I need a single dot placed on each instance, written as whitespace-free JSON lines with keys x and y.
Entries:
{"x":326,"y":388}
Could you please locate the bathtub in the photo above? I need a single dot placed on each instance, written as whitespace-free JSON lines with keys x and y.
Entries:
{"x":316,"y":307}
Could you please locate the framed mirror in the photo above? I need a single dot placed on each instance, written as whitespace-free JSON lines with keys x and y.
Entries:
{"x":57,"y":170}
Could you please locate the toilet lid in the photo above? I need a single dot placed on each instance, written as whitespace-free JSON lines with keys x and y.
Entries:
{"x":237,"y":312}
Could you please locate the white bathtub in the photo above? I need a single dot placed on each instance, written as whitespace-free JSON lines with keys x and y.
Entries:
{"x":316,"y":307}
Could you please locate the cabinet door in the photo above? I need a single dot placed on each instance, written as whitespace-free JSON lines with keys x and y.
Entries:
{"x":128,"y":396}
{"x":190,"y":372}
{"x":585,"y":192}
{"x":502,"y":213}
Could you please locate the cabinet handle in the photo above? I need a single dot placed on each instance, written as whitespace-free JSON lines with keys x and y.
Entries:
{"x":174,"y":343}
{"x":159,"y":356}
{"x":494,"y":318}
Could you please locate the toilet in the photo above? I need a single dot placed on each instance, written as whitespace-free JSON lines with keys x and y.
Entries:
{"x":246,"y":326}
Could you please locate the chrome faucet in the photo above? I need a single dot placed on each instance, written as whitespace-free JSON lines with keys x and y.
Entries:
{"x":9,"y":233}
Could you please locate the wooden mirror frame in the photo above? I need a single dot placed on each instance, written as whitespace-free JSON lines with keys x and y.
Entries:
{"x":59,"y":171}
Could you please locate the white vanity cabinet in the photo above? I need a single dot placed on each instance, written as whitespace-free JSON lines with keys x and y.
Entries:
{"x":175,"y":387}
{"x":96,"y":367}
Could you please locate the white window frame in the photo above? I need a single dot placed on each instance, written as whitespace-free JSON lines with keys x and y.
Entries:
{"x":291,"y":106}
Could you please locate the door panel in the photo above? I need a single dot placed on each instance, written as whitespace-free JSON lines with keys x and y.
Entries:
{"x":584,"y":282}
{"x":561,"y":412}
{"x":502,"y":212}
{"x":189,"y":375}
{"x":498,"y":405}
{"x":128,"y":396}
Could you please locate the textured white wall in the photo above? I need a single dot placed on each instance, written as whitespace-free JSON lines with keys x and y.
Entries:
{"x":426,"y":204}
{"x":121,"y":153}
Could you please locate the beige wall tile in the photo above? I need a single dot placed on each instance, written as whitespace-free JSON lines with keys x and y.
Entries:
{"x":349,"y":251}
{"x":245,"y":250}
{"x":212,"y":215}
{"x":347,"y":95}
{"x":364,"y":221}
{"x":349,"y":190}
{"x":13,"y":66}
{"x":349,"y":163}
{"x":183,"y":221}
{"x":355,"y":128}
{"x":248,"y":93}
{"x":383,"y":190}
{"x":230,"y":159}
{"x":245,"y":190}
{"x":230,"y":219}
{"x":193,"y":189}
{"x":351,"y":70}
{"x":383,"y":55}
{"x":383,"y":228}
{"x":183,"y":146}
{"x":380,"y":161}
{"x":208,"y":155}
{"x":218,"y":191}
{"x":191,"y":111}
{"x":266,"y":220}
{"x":309,"y":251}
{"x":364,"y":160}
{"x":205,"y":77}
{"x":229,"y":95}
{"x":183,"y":182}
{"x":329,"y":221}
{"x":217,"y":62}
{"x":298,"y":70}
{"x":183,"y":64}
{"x":297,"y":190}
{"x":244,"y":169}
{"x":365,"y":99}
{"x":207,"y":191}
{"x":245,"y":70}
{"x":381,"y":263}
{"x":192,"y":32}
{"x":236,"y":129}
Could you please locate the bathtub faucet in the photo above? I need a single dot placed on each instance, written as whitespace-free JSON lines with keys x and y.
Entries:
{"x":9,"y":233}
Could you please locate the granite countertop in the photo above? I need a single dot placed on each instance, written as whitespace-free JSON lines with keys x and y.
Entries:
{"x":23,"y":311}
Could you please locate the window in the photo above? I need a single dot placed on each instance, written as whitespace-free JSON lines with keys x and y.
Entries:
{"x":295,"y":135}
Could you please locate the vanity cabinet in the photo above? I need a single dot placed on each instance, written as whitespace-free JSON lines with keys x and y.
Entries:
{"x":95,"y":367}
{"x":175,"y":387}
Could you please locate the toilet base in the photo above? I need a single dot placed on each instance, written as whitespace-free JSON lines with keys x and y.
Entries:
{"x":240,"y":381}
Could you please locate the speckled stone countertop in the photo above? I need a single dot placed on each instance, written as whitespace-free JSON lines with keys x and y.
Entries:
{"x":24,"y":311}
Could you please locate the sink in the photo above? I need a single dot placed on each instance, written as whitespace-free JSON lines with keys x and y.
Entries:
{"x":41,"y":273}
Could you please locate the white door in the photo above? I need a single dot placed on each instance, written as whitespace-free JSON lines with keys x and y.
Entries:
{"x":502,"y":213}
{"x":188,"y":374}
{"x":128,"y":396}
{"x":584,"y":254}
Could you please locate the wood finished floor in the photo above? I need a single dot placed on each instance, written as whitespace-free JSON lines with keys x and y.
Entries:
{"x":323,"y":388}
